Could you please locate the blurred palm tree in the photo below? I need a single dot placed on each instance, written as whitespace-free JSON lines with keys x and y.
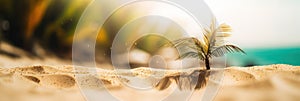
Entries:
{"x":212,"y":45}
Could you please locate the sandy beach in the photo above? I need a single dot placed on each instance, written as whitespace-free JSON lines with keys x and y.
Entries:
{"x":48,"y":83}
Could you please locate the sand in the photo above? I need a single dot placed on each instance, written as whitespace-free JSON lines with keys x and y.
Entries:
{"x":60,"y":83}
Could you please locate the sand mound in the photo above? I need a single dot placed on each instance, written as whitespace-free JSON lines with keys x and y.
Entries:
{"x":272,"y":83}
{"x":237,"y":77}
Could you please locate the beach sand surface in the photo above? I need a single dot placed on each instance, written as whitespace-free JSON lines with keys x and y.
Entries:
{"x":60,"y":83}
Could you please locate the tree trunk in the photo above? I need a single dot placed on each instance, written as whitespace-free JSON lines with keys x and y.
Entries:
{"x":207,"y":64}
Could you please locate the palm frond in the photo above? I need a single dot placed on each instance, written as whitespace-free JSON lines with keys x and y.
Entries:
{"x":189,"y":55}
{"x":184,"y":41}
{"x":225,"y":28}
{"x":224,"y":34}
{"x":222,"y":50}
{"x":192,"y":54}
{"x":220,"y":32}
{"x":206,"y":44}
{"x":210,"y":35}
{"x":177,"y":42}
{"x":190,"y":47}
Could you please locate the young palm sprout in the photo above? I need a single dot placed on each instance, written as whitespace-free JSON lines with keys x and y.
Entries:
{"x":212,"y":45}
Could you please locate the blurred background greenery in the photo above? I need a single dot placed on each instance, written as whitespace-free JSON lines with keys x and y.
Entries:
{"x":48,"y":23}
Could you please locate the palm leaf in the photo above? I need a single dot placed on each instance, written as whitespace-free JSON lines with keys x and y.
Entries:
{"x":183,"y":41}
{"x":189,"y":55}
{"x":222,"y":50}
{"x":192,"y":54}
{"x":218,"y":40}
{"x":225,"y":28}
{"x":224,"y":34}
{"x":213,"y":32}
{"x":190,"y":47}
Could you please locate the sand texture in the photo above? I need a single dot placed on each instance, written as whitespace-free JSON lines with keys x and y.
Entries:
{"x":60,"y":83}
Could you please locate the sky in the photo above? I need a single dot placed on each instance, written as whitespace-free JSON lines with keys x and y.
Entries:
{"x":260,"y":23}
{"x":255,"y":23}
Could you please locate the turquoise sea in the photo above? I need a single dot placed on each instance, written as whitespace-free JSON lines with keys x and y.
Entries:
{"x":266,"y":56}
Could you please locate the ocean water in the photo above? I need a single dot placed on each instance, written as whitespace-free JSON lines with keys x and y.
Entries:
{"x":266,"y":56}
